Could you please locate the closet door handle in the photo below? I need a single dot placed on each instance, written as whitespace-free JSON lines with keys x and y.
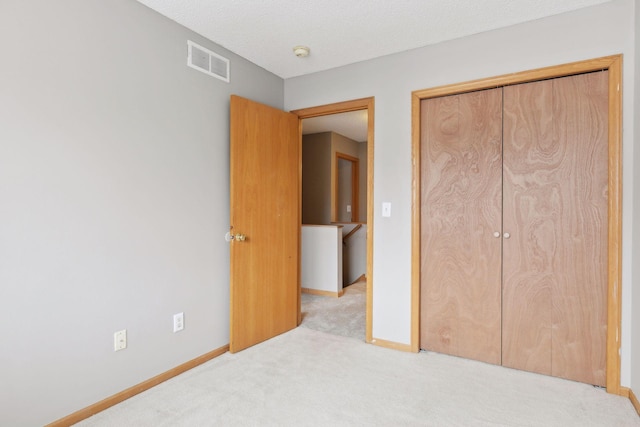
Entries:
{"x":507,"y":235}
{"x":496,"y":234}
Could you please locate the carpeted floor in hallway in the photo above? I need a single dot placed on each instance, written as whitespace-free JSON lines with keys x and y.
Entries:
{"x":343,"y":316}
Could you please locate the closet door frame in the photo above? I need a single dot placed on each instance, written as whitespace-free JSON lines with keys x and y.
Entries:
{"x":614,"y":245}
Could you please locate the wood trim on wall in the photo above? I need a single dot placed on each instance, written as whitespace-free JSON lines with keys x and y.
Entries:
{"x":353,"y":231}
{"x":370,"y":205}
{"x":110,"y":401}
{"x":614,"y":296}
{"x":360,"y":278}
{"x":624,"y":391}
{"x":338,"y":107}
{"x":343,"y":107}
{"x":415,"y":222}
{"x":634,"y":401}
{"x":614,"y":291}
{"x":323,"y":293}
{"x":392,"y":345}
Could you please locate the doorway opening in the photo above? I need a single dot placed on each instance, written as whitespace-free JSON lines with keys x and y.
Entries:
{"x":347,"y":177}
{"x":337,"y":217}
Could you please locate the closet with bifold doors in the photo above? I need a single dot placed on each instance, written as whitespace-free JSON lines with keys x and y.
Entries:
{"x":513,"y":226}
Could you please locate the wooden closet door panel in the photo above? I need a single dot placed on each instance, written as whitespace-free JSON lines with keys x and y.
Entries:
{"x":532,"y":208}
{"x":580,"y":300}
{"x":555,"y":208}
{"x":461,"y":184}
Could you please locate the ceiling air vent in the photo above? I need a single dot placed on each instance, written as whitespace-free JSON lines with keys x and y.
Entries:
{"x":202,"y":59}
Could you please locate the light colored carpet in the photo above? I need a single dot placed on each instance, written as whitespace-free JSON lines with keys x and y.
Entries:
{"x":311,"y":378}
{"x":343,"y":316}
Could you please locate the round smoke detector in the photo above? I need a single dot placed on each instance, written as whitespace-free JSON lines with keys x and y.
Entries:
{"x":301,"y":51}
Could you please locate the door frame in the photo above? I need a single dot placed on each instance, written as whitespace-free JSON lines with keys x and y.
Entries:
{"x":614,"y":245}
{"x":355,"y":187}
{"x":344,"y":107}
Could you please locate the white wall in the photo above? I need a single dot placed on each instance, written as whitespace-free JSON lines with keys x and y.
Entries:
{"x":354,"y":254}
{"x":321,"y":254}
{"x":113,"y":200}
{"x":588,"y":33}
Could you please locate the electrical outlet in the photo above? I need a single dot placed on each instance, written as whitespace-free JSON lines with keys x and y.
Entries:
{"x":178,"y":322}
{"x":120,"y":340}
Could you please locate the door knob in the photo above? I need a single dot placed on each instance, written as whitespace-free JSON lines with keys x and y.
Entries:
{"x":238,"y":236}
{"x":507,"y":235}
{"x":496,"y":234}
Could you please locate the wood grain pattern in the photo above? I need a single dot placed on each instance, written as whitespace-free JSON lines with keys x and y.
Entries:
{"x":338,"y":107}
{"x":370,"y":205}
{"x":614,"y":193}
{"x":614,"y":66}
{"x":416,"y":216}
{"x":461,"y":209}
{"x":531,"y":209}
{"x":538,"y":74}
{"x":555,"y":208}
{"x":265,"y":206}
{"x":580,"y":299}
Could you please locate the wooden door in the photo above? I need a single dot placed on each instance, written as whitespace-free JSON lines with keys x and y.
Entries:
{"x":265,"y":207}
{"x":461,"y":196}
{"x":555,"y":211}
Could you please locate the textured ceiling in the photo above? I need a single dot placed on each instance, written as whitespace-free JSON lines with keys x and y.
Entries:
{"x":341,"y":32}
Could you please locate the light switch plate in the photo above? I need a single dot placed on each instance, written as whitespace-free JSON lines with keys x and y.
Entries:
{"x":386,"y":209}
